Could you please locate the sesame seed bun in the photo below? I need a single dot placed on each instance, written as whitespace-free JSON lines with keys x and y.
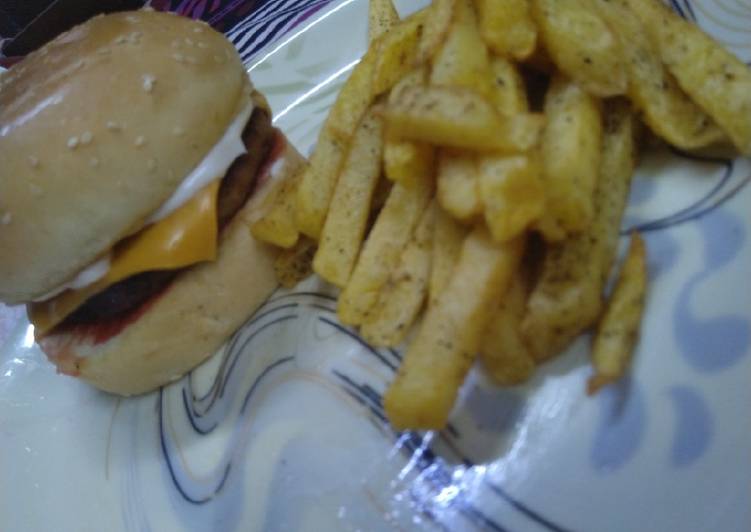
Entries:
{"x":97,"y":129}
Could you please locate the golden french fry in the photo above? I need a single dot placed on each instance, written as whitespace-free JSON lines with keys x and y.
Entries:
{"x":507,"y":27}
{"x":462,"y":60}
{"x":503,"y":351}
{"x":396,"y":52}
{"x":713,"y":77}
{"x":509,"y":93}
{"x":444,"y":347}
{"x":383,"y":247}
{"x":439,"y":15}
{"x":581,"y":45}
{"x":618,"y":331}
{"x":296,"y":263}
{"x":447,"y":244}
{"x":402,"y":297}
{"x":667,"y":110}
{"x":344,"y":228}
{"x":405,"y":161}
{"x":458,"y":190}
{"x":460,"y":118}
{"x":319,"y":181}
{"x":277,"y":224}
{"x":617,"y":166}
{"x":571,"y":145}
{"x":382,"y":16}
{"x":512,"y":193}
{"x":567,"y":297}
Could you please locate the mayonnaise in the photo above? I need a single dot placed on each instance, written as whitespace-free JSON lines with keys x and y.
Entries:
{"x":213,"y":166}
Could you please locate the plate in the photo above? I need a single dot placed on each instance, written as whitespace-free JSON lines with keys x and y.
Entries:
{"x":283,"y":429}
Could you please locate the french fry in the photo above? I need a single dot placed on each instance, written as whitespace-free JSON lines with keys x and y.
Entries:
{"x":444,"y":347}
{"x":319,"y":180}
{"x":548,"y":227}
{"x":383,"y":247}
{"x":447,"y":244}
{"x":405,"y":161}
{"x":439,"y":15}
{"x":512,"y":193}
{"x":667,"y":110}
{"x":509,"y":93}
{"x":277,"y":224}
{"x":396,"y":53}
{"x":581,"y":45}
{"x":713,"y":77}
{"x":462,"y":60}
{"x":618,"y":330}
{"x":567,"y":297}
{"x":503,"y":351}
{"x":382,"y":16}
{"x":344,"y":228}
{"x":571,"y":145}
{"x":296,"y":263}
{"x":403,"y":296}
{"x":460,"y":118}
{"x":507,"y":27}
{"x":458,"y":189}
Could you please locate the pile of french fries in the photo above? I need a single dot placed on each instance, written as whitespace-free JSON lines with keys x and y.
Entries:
{"x":467,"y":188}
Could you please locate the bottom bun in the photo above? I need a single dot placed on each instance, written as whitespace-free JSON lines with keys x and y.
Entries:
{"x":187,"y":323}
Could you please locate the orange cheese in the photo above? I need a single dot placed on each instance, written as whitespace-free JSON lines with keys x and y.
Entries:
{"x":185,"y":237}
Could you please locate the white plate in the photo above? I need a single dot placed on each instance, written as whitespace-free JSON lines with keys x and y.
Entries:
{"x":283,"y":429}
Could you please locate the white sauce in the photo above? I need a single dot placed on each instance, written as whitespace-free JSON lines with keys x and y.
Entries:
{"x":213,"y":166}
{"x":89,"y":275}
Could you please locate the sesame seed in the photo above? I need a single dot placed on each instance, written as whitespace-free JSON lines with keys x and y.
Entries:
{"x":151,"y":164}
{"x":134,"y":37}
{"x":148,"y":8}
{"x":94,"y":162}
{"x":140,"y":141}
{"x":202,"y":44}
{"x":178,"y":131}
{"x":131,"y":19}
{"x":6,"y":218}
{"x":103,"y":51}
{"x":148,"y":82}
{"x":33,"y":161}
{"x":197,"y":30}
{"x":86,"y":137}
{"x":121,"y":39}
{"x":189,"y":41}
{"x":73,"y":143}
{"x":219,"y":59}
{"x":175,"y":44}
{"x":113,"y":126}
{"x":178,"y":57}
{"x":35,"y":189}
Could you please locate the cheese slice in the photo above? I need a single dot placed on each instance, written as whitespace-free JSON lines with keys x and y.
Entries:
{"x":185,"y":237}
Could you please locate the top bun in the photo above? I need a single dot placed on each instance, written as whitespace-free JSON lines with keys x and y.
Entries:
{"x":97,"y":129}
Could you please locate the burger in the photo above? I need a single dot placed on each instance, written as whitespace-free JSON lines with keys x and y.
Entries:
{"x":134,"y":156}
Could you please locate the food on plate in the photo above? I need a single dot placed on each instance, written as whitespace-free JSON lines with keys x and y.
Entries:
{"x":619,"y":327}
{"x":714,"y":78}
{"x":381,"y":16}
{"x":507,"y":27}
{"x":581,"y":45}
{"x":401,"y":298}
{"x":344,"y":229}
{"x":507,"y":133}
{"x":446,"y":342}
{"x":570,"y":152}
{"x":136,"y":157}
